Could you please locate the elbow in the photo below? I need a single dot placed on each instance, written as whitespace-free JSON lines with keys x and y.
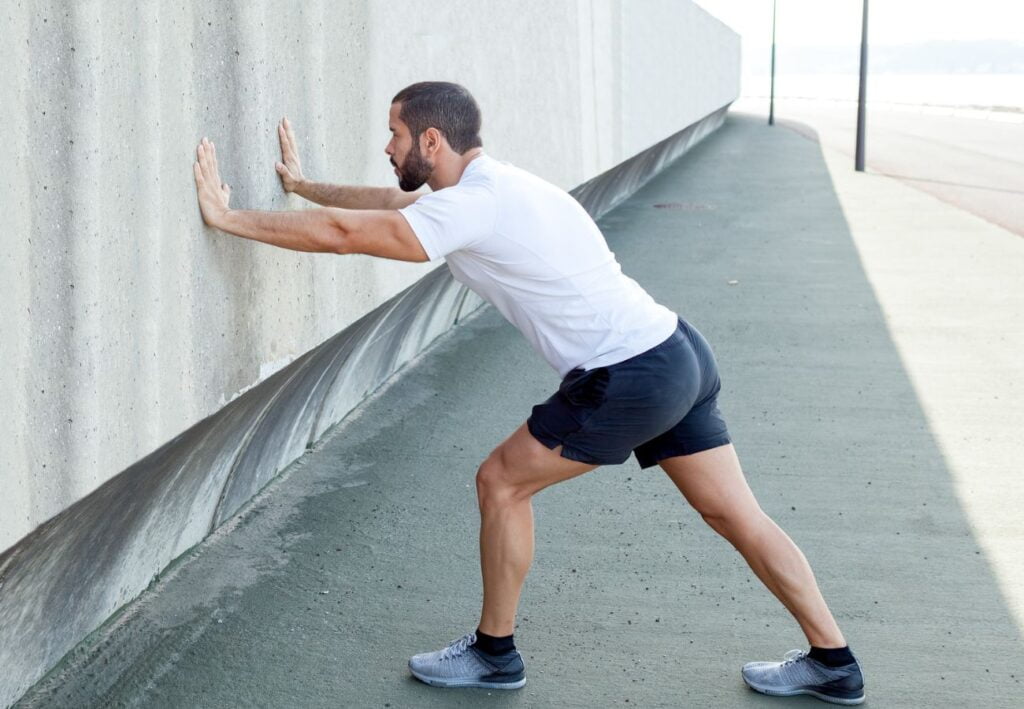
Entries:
{"x":338,"y":240}
{"x":340,"y":244}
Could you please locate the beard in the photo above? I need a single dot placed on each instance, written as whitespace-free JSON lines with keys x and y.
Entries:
{"x":414,"y":171}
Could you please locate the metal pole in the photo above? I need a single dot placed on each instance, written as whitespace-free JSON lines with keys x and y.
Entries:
{"x":858,"y":163}
{"x":771,"y":100}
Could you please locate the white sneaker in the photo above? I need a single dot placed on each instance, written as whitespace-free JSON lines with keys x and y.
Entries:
{"x":800,"y":674}
{"x":462,"y":665}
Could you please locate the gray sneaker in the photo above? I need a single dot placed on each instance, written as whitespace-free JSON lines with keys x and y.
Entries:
{"x":799,"y":674}
{"x":461,"y":665}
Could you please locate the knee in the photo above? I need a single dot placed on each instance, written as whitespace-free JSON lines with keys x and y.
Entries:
{"x":721,"y":523}
{"x":494,"y":485}
{"x":735,"y":525}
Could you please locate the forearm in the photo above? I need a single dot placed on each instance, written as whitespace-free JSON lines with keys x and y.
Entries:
{"x":354,"y":197}
{"x":312,"y":230}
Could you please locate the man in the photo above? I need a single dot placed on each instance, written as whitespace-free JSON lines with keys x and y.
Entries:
{"x":636,"y":377}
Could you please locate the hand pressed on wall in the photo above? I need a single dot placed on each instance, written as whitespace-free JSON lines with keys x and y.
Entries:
{"x":289,"y":169}
{"x":213,"y":194}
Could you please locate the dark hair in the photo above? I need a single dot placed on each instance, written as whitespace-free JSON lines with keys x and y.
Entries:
{"x":440,"y":104}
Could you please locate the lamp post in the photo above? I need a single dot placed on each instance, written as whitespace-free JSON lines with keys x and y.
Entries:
{"x":771,"y":100}
{"x":858,"y":162}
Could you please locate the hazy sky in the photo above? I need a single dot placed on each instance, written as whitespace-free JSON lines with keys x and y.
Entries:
{"x":837,"y":22}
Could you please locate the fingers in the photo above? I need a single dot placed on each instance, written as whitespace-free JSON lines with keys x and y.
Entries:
{"x":207,"y":154}
{"x":291,"y":134}
{"x":286,"y":148}
{"x":287,"y":136}
{"x":213,"y":156}
{"x":201,"y":168}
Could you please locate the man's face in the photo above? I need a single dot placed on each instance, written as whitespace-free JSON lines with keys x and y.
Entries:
{"x":411,"y":167}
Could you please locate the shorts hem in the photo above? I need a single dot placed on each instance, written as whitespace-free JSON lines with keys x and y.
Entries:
{"x":688,"y":448}
{"x":541,"y":434}
{"x":551,"y":441}
{"x":583,"y":457}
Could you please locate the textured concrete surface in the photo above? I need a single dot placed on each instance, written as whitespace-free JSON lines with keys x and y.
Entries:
{"x":866,"y":426}
{"x":68,"y":576}
{"x":133,"y":326}
{"x":132,"y":321}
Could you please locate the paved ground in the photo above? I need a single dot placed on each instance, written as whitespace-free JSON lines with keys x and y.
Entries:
{"x":971,"y":159}
{"x":872,"y":381}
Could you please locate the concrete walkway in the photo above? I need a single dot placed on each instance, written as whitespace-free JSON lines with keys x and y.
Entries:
{"x":973,"y":160}
{"x":869,"y":338}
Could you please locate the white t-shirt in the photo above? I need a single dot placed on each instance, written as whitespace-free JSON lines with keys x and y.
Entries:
{"x":532,"y":251}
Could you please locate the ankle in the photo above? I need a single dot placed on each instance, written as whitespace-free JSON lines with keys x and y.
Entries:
{"x":832,"y":656}
{"x":494,"y":644}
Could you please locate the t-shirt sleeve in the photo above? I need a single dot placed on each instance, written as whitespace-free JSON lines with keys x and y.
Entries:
{"x":451,"y":219}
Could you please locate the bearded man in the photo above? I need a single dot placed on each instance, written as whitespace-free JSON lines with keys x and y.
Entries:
{"x":636,"y":377}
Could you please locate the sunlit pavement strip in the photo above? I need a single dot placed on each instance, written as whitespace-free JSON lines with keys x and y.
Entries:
{"x":861,"y":398}
{"x":952,"y":289}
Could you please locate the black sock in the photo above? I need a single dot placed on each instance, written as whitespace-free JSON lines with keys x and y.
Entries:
{"x":492,"y":645}
{"x":832,"y":656}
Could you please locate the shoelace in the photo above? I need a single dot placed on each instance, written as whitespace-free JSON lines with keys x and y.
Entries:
{"x":793,"y":656}
{"x":458,"y":647}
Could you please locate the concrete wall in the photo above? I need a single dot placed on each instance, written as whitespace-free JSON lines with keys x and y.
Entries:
{"x":125,"y":321}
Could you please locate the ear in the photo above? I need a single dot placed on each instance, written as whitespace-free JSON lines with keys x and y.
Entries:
{"x":431,"y":142}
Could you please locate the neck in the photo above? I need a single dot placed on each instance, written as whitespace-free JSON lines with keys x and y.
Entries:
{"x":450,"y":172}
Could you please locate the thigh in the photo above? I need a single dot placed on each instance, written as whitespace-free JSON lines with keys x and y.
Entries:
{"x":528,"y":465}
{"x":712,"y":481}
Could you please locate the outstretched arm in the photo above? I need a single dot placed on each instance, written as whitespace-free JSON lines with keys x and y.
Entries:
{"x":355,"y":197}
{"x":383,"y":233}
{"x":349,"y":197}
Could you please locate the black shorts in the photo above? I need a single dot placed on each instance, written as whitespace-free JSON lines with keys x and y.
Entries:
{"x":659,"y":404}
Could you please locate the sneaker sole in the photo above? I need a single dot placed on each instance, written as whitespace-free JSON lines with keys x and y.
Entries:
{"x":467,"y":683}
{"x":845,"y":701}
